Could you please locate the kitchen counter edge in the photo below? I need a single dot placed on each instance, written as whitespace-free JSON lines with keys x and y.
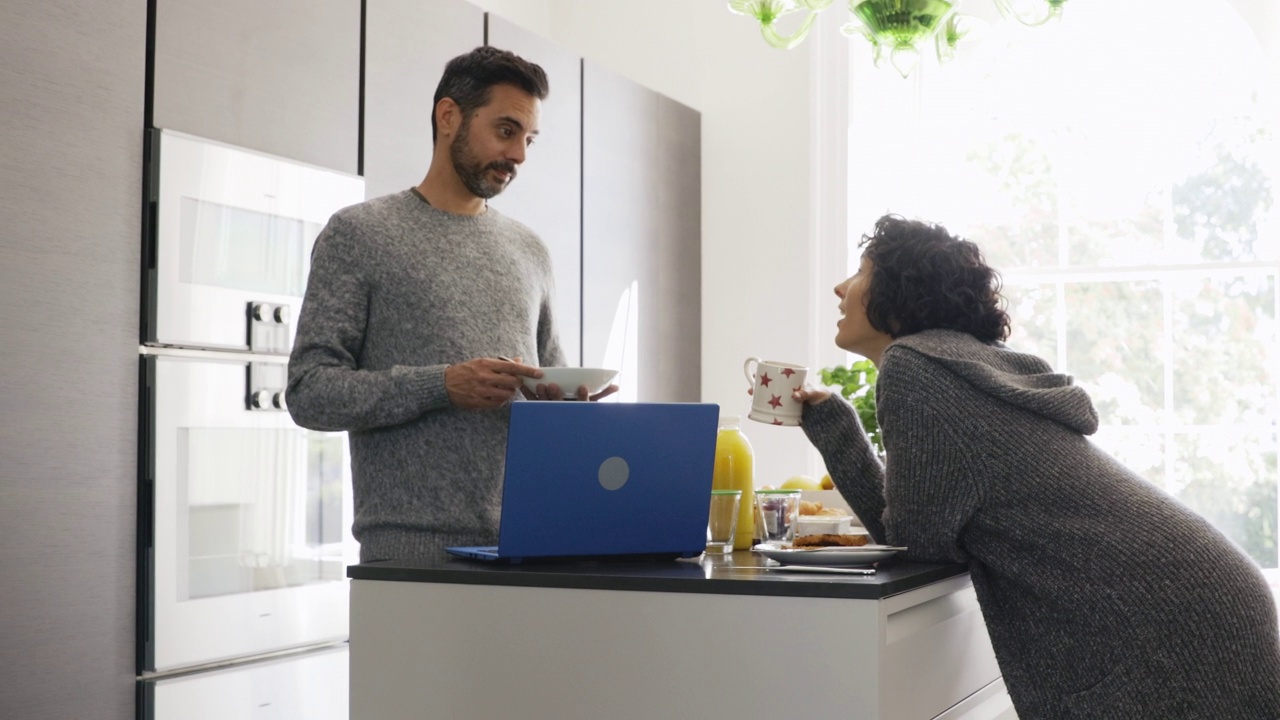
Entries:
{"x":741,"y":574}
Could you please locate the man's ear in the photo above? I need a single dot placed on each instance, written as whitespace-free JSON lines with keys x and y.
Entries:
{"x":448,"y":117}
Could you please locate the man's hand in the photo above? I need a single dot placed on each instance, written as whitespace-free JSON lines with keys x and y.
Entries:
{"x":553,"y":391}
{"x":486,"y":382}
{"x":582,"y":393}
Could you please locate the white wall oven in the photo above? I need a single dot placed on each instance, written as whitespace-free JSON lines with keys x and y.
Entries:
{"x":252,"y":514}
{"x":232,"y":232}
{"x":244,"y":517}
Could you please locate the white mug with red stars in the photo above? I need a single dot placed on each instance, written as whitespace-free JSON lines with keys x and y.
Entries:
{"x":772,"y":383}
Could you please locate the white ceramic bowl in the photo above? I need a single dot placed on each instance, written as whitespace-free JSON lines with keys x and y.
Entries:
{"x":570,"y":378}
{"x":823,"y":524}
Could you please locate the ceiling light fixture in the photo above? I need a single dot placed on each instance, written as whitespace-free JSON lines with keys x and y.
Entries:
{"x":896,"y":29}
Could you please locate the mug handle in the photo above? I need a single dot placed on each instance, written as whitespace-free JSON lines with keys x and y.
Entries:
{"x":751,"y":377}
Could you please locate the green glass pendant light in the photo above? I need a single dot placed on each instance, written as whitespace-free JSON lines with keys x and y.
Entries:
{"x":896,"y":29}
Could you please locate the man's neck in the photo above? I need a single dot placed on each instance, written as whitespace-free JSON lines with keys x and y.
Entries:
{"x":444,"y":191}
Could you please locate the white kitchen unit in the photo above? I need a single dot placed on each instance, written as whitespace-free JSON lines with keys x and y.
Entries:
{"x":243,"y":517}
{"x":311,"y":685}
{"x":720,"y":638}
{"x":250,"y":518}
{"x":279,"y":77}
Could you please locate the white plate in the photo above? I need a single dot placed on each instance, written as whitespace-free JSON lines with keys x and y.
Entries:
{"x":830,"y":556}
{"x":860,"y":571}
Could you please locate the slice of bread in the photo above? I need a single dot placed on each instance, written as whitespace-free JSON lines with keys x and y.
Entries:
{"x":831,"y":540}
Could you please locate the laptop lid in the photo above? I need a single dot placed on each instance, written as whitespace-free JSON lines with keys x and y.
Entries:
{"x":597,"y":479}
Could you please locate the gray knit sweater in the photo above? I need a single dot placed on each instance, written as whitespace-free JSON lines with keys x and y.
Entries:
{"x":398,"y":291}
{"x":1104,"y":597}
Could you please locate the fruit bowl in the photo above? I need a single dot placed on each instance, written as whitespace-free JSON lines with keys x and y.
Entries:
{"x":570,"y":379}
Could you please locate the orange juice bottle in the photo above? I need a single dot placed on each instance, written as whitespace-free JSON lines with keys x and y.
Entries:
{"x":735,"y":470}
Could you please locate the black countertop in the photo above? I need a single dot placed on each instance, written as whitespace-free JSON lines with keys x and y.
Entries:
{"x":741,"y":573}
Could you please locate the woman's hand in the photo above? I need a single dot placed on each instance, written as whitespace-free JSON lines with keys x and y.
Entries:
{"x":810,"y":396}
{"x":806,"y":395}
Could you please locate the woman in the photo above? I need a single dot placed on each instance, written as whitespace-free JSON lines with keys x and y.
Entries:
{"x":1104,"y":597}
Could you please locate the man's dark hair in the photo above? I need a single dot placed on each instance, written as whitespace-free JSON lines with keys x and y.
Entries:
{"x":469,"y":79}
{"x":923,"y":278}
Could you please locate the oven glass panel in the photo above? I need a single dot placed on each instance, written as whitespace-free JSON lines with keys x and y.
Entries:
{"x":262,"y":508}
{"x":238,"y":249}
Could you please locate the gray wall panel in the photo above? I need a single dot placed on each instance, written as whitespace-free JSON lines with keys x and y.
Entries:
{"x":642,"y":224}
{"x":679,"y":191}
{"x":282,"y":77}
{"x":619,"y":219}
{"x":407,"y":43}
{"x":71,"y":85}
{"x":547,"y":192}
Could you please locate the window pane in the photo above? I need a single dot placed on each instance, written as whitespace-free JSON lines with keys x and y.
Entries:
{"x":1224,"y":351}
{"x":1115,"y":348}
{"x":1034,"y":309}
{"x":1099,"y":237}
{"x":1219,"y":207}
{"x":1140,"y":451}
{"x":1014,"y":177}
{"x":1231,"y":480}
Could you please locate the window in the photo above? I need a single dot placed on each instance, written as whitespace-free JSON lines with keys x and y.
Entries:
{"x":1121,"y":170}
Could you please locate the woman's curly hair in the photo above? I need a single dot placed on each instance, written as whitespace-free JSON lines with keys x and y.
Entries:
{"x":924,"y":278}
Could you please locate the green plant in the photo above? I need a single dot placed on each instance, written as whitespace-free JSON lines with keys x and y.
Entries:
{"x":857,"y":383}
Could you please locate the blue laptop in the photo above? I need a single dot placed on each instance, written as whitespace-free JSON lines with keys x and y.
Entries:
{"x":604,"y":480}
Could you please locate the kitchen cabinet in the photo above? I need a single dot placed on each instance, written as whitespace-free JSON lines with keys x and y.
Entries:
{"x":280,"y":77}
{"x":407,"y":43}
{"x":678,"y":357}
{"x":71,"y":148}
{"x":547,"y":192}
{"x":310,"y":685}
{"x":641,"y":237}
{"x":717,"y":638}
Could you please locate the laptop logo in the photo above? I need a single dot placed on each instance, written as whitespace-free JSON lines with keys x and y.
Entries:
{"x":613,"y":473}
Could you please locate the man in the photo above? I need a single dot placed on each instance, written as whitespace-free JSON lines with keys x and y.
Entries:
{"x":414,"y":303}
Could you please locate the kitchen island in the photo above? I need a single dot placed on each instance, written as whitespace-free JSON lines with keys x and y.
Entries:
{"x":714,"y":637}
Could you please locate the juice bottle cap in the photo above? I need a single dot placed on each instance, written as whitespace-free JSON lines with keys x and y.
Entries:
{"x":729,"y":421}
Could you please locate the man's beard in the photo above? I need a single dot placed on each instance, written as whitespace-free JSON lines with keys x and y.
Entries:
{"x":471,"y":172}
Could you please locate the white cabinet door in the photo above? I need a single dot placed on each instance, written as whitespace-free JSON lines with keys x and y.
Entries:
{"x":279,"y":77}
{"x":990,"y":703}
{"x":934,"y":650}
{"x":305,"y":687}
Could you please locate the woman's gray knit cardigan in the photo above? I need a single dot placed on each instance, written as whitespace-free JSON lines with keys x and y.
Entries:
{"x":1104,"y":596}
